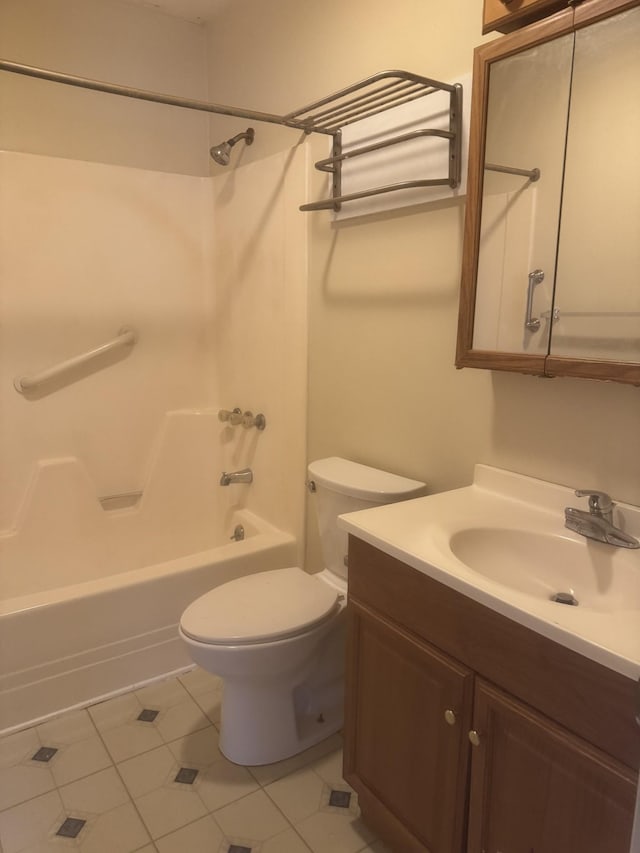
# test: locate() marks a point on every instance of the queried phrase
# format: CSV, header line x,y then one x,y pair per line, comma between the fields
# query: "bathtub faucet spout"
x,y
245,475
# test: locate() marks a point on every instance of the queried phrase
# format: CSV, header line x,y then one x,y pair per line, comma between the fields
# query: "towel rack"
x,y
369,97
126,337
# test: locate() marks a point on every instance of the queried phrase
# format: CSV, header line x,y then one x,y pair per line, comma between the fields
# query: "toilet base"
x,y
262,726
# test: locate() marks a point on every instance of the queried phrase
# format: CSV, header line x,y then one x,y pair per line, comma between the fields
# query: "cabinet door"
x,y
508,15
406,748
535,788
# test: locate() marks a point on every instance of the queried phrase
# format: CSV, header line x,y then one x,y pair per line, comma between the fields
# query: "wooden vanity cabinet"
x,y
556,754
508,15
535,786
407,760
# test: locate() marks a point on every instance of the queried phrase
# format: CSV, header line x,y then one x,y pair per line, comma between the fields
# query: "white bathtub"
x,y
69,646
92,594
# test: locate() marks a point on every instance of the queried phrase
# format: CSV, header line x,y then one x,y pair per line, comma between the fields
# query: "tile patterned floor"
x,y
143,772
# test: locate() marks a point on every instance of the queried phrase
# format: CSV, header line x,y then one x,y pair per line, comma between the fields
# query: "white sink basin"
x,y
554,568
503,543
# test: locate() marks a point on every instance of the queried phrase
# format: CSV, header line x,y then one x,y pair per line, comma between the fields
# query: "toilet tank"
x,y
340,486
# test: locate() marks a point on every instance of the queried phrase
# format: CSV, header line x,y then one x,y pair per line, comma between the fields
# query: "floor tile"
x,y
254,818
129,727
31,823
162,784
23,782
145,773
206,689
95,794
123,734
286,842
119,830
329,767
165,810
202,836
164,804
328,832
112,823
223,782
377,847
267,773
298,795
200,748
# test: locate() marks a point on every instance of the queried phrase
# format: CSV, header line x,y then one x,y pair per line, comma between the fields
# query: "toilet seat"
x,y
260,608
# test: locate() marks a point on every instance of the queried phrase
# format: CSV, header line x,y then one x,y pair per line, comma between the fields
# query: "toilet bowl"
x,y
277,638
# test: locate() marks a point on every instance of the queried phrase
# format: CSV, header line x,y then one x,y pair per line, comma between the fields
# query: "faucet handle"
x,y
600,503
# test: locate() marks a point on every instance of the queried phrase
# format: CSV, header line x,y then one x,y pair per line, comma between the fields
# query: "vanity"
x,y
483,714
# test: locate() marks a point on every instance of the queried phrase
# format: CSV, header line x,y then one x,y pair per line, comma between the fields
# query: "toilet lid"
x,y
260,607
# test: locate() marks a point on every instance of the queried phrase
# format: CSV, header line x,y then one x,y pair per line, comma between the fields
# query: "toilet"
x,y
277,638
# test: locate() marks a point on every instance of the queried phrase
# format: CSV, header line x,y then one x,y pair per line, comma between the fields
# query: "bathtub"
x,y
93,590
72,645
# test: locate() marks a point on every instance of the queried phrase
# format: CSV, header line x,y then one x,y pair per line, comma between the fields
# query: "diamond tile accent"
x,y
147,715
71,827
45,753
238,848
186,775
340,798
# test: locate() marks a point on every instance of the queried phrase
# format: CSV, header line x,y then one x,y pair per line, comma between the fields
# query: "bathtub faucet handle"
x,y
233,417
250,420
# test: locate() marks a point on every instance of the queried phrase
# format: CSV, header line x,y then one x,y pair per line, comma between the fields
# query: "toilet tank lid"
x,y
361,481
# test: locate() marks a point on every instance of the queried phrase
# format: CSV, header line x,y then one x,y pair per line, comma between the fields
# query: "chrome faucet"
x,y
245,475
598,522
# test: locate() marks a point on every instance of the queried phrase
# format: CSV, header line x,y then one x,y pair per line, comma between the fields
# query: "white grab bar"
x,y
126,337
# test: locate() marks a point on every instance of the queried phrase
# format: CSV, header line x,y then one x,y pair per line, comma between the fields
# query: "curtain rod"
x,y
143,94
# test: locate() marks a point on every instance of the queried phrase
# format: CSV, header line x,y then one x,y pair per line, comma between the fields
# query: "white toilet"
x,y
277,639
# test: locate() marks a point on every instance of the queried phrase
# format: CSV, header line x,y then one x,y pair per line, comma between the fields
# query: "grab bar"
x,y
126,337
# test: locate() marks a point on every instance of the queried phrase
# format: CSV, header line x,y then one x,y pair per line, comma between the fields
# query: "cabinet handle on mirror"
x,y
532,323
474,737
450,717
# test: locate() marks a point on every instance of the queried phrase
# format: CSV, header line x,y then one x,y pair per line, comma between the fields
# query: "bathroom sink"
x,y
502,542
551,567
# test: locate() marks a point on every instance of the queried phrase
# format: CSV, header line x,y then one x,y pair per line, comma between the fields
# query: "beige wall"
x,y
112,41
383,291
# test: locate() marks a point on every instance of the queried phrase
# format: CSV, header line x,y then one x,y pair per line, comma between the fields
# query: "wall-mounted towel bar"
x,y
369,97
532,174
23,384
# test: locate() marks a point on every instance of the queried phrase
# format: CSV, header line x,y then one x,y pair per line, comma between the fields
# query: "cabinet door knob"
x,y
474,737
450,717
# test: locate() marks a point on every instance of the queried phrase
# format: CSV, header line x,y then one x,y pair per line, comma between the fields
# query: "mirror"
x,y
551,262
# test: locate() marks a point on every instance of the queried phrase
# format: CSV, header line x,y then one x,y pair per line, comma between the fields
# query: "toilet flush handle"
x,y
311,486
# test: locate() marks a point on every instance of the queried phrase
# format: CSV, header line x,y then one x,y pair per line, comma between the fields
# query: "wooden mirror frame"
x,y
565,22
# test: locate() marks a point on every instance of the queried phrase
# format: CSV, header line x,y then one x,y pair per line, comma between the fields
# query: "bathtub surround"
x,y
187,261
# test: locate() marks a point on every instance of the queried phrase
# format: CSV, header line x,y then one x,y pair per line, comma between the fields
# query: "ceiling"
x,y
198,11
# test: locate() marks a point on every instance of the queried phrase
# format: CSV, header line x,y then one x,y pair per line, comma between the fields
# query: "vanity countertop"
x,y
502,542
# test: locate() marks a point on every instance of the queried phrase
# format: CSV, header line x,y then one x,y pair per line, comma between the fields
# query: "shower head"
x,y
222,153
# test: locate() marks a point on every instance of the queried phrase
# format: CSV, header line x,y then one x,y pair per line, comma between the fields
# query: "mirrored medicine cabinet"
x,y
551,258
